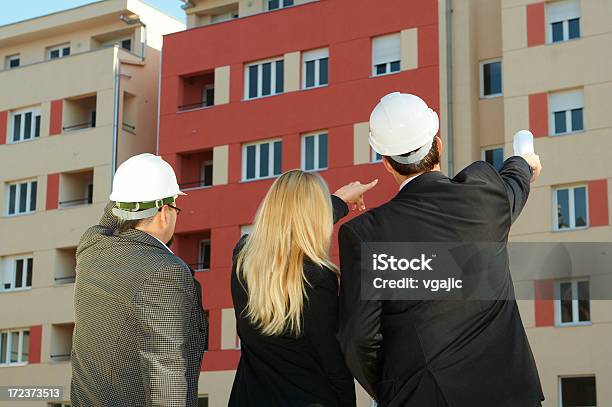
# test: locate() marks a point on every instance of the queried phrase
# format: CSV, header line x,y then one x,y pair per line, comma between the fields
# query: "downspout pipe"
x,y
449,88
117,73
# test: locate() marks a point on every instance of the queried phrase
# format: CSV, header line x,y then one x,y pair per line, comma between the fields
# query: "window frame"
x,y
9,345
316,158
572,208
281,5
562,11
374,156
200,254
481,78
575,313
315,55
9,58
560,384
60,48
259,64
569,100
203,165
375,63
9,265
18,196
205,101
257,160
35,111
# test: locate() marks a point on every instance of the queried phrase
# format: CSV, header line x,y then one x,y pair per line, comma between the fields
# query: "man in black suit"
x,y
436,353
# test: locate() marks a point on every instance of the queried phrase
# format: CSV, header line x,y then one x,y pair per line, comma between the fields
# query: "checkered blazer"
x,y
140,331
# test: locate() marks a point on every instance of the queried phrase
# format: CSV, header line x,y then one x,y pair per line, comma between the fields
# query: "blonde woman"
x,y
285,293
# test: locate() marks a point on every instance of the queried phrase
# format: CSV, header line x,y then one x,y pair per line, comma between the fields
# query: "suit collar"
x,y
420,181
144,238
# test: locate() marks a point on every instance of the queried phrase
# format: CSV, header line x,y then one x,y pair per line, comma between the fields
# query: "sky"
x,y
12,11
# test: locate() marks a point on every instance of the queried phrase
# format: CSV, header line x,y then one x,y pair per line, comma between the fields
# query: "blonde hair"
x,y
294,222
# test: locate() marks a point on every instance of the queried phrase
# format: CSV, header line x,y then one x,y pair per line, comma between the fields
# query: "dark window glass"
x,y
25,349
584,301
264,160
207,175
278,157
203,401
266,79
273,4
580,206
3,346
37,126
14,63
204,255
310,74
126,44
27,126
563,218
12,199
23,196
578,391
557,31
54,54
395,66
495,157
574,28
33,189
560,124
29,272
492,78
381,69
323,151
280,76
323,71
565,291
210,96
14,347
66,51
287,3
93,118
89,194
19,273
16,127
577,122
309,153
250,162
253,81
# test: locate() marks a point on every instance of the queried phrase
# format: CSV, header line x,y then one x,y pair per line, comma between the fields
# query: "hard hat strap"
x,y
413,158
140,206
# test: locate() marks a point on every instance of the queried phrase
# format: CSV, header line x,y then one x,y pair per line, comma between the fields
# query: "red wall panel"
x,y
35,343
538,114
3,126
544,304
598,203
52,191
55,126
536,25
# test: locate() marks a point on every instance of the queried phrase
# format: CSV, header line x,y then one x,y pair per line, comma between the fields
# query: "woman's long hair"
x,y
294,222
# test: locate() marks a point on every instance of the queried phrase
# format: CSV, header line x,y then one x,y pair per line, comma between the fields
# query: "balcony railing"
x,y
80,126
197,105
65,279
60,357
194,184
75,202
129,127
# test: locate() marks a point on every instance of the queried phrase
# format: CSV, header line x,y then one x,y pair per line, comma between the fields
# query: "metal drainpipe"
x,y
115,114
449,87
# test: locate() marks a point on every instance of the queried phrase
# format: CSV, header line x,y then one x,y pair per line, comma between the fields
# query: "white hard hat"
x,y
141,185
401,123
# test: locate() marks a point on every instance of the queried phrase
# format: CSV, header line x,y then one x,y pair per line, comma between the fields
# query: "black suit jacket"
x,y
440,353
282,370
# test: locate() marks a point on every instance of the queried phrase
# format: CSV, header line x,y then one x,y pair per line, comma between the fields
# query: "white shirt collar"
x,y
163,244
408,180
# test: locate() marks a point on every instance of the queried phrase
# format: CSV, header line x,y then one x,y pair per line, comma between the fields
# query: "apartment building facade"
x,y
78,95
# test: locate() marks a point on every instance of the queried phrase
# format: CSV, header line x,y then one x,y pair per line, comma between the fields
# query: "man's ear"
x,y
388,166
164,215
439,143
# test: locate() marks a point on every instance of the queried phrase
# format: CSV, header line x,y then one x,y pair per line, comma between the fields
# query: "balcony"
x,y
197,91
76,188
129,113
196,170
61,342
194,248
79,113
65,266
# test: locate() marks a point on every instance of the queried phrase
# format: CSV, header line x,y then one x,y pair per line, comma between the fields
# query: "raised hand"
x,y
352,194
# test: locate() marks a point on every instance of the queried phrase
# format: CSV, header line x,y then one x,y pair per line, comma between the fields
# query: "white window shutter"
x,y
386,49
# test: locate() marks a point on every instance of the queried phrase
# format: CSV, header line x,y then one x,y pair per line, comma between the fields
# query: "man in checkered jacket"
x,y
140,331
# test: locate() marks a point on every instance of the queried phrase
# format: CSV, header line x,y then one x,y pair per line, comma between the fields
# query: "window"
x,y
204,255
573,303
17,273
21,197
563,20
490,79
374,156
230,15
315,68
24,125
206,173
571,204
59,51
202,401
276,4
314,152
578,391
208,95
261,160
566,112
386,54
494,156
12,61
14,347
126,44
264,78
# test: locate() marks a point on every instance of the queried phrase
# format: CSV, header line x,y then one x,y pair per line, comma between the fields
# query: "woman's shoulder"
x,y
318,275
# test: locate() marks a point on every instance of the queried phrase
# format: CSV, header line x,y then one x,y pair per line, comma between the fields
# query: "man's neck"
x,y
401,179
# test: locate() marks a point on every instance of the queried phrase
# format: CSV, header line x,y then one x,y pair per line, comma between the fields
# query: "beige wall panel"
x,y
597,103
220,164
488,17
361,145
527,310
409,49
514,28
250,7
536,215
222,85
595,17
61,296
292,71
102,185
598,234
516,116
228,329
491,121
584,61
515,3
43,374
44,261
41,193
217,385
